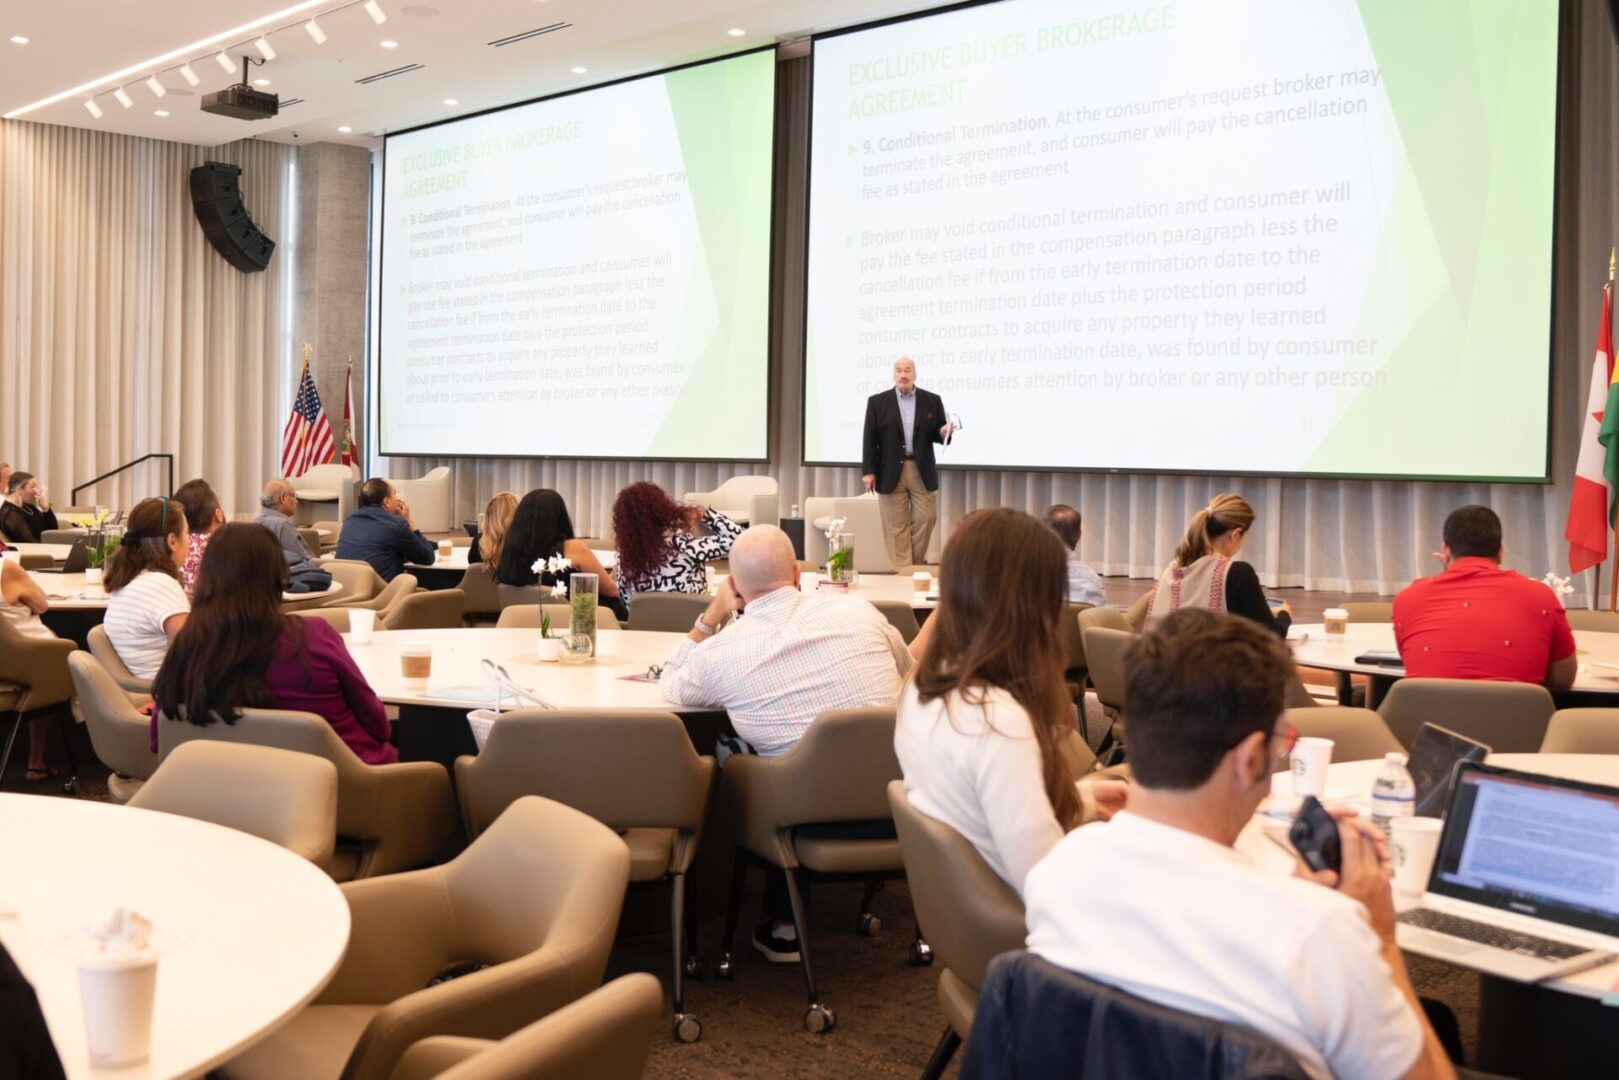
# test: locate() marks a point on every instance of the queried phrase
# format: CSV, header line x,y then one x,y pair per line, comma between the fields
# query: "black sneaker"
x,y
777,946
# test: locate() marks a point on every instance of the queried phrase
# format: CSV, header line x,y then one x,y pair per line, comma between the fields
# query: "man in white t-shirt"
x,y
1160,904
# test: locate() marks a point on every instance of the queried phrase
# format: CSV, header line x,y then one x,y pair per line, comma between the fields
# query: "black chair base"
x,y
946,1049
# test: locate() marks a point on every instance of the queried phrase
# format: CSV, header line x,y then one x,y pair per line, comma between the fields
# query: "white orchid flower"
x,y
559,591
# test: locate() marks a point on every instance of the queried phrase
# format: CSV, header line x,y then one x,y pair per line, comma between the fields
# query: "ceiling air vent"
x,y
526,34
379,76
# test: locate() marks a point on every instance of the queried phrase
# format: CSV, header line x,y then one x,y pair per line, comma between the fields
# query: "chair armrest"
x,y
431,1057
399,938
406,810
40,664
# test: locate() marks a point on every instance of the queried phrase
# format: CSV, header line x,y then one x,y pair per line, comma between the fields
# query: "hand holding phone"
x,y
1314,835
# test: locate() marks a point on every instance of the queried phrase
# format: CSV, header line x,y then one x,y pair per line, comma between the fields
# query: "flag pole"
x,y
1613,579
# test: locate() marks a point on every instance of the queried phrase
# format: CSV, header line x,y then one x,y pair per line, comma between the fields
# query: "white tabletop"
x,y
458,680
58,552
457,559
260,930
1595,650
68,592
1350,783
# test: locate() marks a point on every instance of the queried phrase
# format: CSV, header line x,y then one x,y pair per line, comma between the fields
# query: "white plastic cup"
x,y
118,992
1311,756
445,549
1413,843
416,663
550,650
1335,622
809,582
362,621
921,581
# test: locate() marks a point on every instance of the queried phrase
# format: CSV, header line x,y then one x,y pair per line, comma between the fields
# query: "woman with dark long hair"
x,y
203,516
982,724
238,650
146,606
658,551
542,530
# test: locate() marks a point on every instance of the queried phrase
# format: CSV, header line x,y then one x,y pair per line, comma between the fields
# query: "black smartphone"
x,y
1314,835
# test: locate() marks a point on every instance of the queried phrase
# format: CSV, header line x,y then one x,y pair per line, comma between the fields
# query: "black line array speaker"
x,y
216,196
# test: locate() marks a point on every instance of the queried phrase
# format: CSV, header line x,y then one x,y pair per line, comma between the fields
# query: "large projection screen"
x,y
583,276
1256,236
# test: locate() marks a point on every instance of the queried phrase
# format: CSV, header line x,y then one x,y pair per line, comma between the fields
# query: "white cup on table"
x,y
1413,843
1310,759
118,990
362,621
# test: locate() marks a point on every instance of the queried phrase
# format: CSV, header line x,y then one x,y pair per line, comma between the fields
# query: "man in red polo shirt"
x,y
1478,621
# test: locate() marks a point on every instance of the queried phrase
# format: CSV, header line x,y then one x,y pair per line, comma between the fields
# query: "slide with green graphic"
x,y
1270,236
583,276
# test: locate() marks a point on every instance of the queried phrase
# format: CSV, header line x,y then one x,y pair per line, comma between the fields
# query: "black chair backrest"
x,y
1036,1020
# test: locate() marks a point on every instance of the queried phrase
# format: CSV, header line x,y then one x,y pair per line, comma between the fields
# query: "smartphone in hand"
x,y
1314,835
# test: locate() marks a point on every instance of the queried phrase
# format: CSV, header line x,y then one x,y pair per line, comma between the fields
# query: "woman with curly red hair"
x,y
657,549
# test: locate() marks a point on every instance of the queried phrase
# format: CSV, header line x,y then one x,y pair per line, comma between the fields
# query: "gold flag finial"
x,y
307,348
1612,264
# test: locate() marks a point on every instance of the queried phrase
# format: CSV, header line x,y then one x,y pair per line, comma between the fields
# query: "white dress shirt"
x,y
1084,584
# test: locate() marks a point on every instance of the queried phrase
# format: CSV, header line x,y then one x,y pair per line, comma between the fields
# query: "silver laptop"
x,y
1526,881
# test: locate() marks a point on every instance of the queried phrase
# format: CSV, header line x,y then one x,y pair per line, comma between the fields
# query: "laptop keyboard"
x,y
1485,934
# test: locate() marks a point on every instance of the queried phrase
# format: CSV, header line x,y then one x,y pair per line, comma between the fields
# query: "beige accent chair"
x,y
605,1035
33,675
284,797
101,647
1603,622
324,491
1135,616
533,902
635,772
1509,718
1104,655
1582,731
36,560
328,543
335,617
389,817
900,616
387,595
748,500
1073,642
62,536
527,617
1369,611
839,771
1356,734
361,583
311,538
439,609
862,516
969,913
429,499
118,731
483,595
668,611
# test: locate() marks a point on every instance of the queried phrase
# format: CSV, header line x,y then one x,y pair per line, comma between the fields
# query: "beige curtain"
x,y
121,331
1322,534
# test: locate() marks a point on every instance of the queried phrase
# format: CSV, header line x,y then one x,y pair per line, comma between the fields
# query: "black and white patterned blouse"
x,y
689,554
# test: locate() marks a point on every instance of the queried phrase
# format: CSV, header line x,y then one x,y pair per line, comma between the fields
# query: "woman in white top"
x,y
145,604
982,723
22,602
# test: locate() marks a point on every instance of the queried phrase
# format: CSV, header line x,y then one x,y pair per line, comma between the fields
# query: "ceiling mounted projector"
x,y
243,102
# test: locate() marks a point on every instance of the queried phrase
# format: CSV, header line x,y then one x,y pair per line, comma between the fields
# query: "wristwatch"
x,y
703,628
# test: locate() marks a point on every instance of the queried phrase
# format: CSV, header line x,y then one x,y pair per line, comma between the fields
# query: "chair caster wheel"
x,y
726,968
696,968
819,1020
921,953
688,1029
71,787
869,925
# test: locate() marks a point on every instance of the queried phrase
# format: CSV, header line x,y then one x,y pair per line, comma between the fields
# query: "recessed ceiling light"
x,y
188,75
389,44
736,31
578,70
345,129
18,39
374,9
95,110
451,101
261,82
123,98
161,112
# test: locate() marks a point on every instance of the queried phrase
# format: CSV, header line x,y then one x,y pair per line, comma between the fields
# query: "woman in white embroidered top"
x,y
145,604
1205,572
982,722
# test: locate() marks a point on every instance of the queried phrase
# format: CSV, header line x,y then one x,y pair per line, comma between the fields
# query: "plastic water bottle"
x,y
1394,794
794,512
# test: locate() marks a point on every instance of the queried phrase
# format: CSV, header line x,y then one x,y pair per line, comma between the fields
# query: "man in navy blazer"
x,y
897,462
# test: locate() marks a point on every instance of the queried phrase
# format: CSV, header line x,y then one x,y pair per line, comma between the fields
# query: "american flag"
x,y
306,441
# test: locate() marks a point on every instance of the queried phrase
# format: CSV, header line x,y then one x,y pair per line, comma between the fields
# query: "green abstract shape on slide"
x,y
1481,295
724,114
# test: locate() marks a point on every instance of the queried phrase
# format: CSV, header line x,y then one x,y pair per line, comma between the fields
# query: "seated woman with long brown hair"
x,y
237,650
982,723
146,605
658,551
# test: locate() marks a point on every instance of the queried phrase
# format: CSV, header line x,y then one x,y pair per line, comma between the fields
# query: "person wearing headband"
x,y
1205,572
146,606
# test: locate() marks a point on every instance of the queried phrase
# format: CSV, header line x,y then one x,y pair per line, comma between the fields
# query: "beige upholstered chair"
x,y
335,617
862,518
119,732
389,817
1104,657
1136,615
665,610
1356,734
36,560
900,616
1509,718
281,796
37,673
382,602
1073,640
62,536
605,1035
635,772
1604,622
311,537
521,595
750,500
138,689
1369,611
1582,731
968,912
360,581
483,597
328,543
532,904
429,499
838,772
437,610
324,491
527,616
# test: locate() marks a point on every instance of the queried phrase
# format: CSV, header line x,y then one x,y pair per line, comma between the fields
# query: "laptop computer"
x,y
1526,881
77,561
1432,763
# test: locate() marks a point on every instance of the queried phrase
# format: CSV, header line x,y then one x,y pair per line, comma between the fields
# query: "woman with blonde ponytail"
x,y
1205,572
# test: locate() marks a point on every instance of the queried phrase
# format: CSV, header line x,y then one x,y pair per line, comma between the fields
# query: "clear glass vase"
x,y
584,593
840,559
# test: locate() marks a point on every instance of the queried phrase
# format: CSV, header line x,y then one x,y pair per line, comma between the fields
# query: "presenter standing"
x,y
897,462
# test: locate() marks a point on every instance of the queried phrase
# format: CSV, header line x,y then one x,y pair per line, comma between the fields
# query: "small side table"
x,y
794,528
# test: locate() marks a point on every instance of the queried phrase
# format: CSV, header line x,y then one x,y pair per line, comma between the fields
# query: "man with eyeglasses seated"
x,y
1158,902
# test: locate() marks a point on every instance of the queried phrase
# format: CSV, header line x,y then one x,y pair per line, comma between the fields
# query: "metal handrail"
x,y
168,458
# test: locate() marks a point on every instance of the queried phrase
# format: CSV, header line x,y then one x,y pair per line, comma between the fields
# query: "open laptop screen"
x,y
1531,844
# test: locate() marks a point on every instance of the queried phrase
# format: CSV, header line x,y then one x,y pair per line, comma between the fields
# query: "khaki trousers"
x,y
908,512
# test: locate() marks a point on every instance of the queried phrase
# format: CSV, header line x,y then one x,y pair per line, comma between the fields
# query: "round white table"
x,y
260,930
457,560
68,592
1598,654
59,552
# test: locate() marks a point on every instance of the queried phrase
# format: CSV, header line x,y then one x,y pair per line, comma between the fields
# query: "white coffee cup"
x,y
118,991
1311,756
1335,622
416,663
808,582
550,650
1413,843
921,581
361,622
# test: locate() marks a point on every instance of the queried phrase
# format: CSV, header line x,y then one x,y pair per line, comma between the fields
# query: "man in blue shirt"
x,y
896,461
382,533
1084,584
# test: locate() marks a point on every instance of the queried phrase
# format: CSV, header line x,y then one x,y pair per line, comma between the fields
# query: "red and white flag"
x,y
1588,521
347,452
306,441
